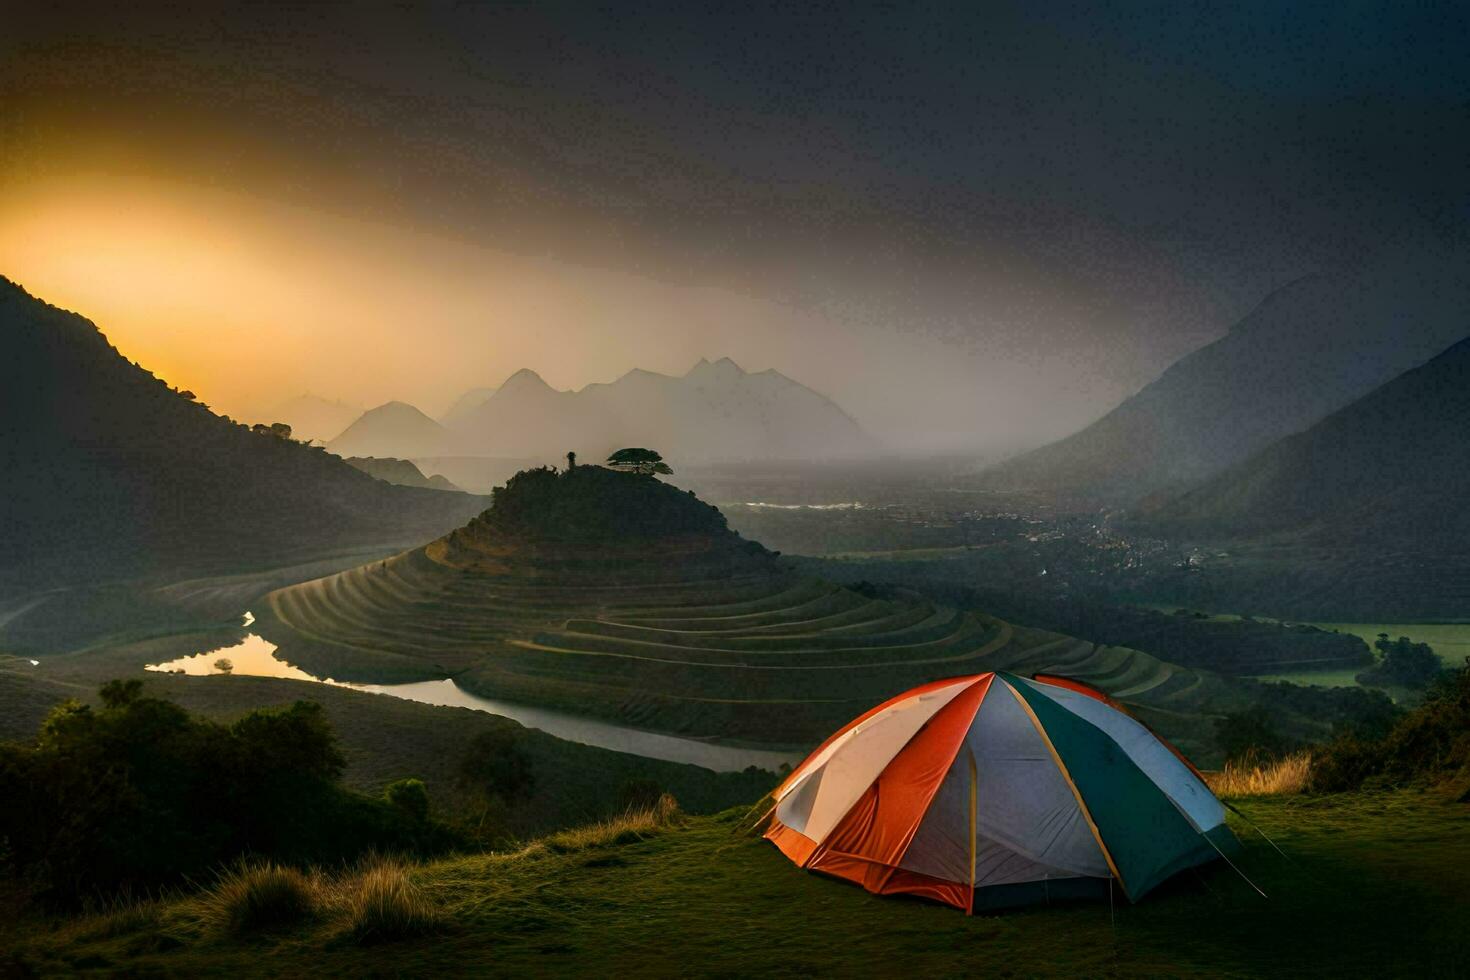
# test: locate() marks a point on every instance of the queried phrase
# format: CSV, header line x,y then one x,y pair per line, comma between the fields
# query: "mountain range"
x,y
1310,348
1362,514
716,411
106,471
1389,469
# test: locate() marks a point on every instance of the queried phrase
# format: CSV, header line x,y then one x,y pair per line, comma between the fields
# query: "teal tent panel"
x,y
1144,832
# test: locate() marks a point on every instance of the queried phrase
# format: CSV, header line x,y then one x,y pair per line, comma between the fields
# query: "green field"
x,y
1451,641
1372,886
1347,677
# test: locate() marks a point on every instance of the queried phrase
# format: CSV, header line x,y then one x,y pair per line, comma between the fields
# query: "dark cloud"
x,y
1088,192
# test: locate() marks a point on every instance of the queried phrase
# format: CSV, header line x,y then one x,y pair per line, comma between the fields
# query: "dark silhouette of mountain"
x,y
1392,469
399,471
313,419
1309,349
396,430
1363,514
716,411
106,471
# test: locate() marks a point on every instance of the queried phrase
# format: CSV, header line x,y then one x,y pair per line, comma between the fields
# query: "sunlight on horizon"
x,y
249,302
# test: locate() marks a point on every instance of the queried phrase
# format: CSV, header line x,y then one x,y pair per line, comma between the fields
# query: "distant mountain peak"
x,y
394,408
717,410
723,368
393,429
522,378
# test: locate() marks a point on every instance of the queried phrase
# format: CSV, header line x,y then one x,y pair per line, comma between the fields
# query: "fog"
x,y
974,231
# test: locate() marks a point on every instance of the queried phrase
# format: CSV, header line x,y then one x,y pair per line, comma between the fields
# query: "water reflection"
x,y
255,656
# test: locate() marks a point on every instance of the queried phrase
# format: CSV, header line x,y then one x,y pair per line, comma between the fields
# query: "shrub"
x,y
139,794
1404,663
384,904
409,796
1429,745
251,898
496,765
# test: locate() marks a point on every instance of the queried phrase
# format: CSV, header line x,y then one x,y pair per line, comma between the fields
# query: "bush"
x,y
496,765
1429,745
139,794
251,898
410,797
1404,663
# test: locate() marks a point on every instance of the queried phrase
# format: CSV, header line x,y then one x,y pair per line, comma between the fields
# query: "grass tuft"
x,y
253,898
1285,776
634,825
123,917
383,904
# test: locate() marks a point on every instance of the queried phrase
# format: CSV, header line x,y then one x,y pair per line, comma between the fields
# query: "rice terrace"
x,y
733,490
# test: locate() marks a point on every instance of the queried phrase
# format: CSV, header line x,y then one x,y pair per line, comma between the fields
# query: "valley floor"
x,y
1373,886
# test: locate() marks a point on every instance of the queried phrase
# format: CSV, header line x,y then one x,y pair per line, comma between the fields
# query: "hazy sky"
x,y
972,225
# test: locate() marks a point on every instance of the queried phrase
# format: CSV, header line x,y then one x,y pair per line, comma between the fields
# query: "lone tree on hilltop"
x,y
637,460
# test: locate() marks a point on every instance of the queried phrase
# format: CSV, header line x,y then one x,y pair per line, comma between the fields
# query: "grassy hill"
x,y
1371,886
107,472
618,596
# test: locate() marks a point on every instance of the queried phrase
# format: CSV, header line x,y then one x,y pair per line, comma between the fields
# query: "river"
x,y
255,656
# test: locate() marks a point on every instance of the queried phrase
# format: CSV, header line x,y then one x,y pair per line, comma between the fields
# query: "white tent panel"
x,y
1177,781
1028,821
832,782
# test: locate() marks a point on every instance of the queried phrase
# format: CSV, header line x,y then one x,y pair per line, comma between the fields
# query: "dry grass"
x,y
382,903
1285,776
255,897
626,828
122,917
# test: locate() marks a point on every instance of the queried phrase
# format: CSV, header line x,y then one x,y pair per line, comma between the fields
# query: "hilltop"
x,y
1309,349
107,471
621,597
1375,492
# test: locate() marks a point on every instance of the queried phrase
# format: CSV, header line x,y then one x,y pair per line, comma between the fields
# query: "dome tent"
x,y
993,790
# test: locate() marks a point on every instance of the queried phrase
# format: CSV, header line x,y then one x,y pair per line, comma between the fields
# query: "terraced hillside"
x,y
618,596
